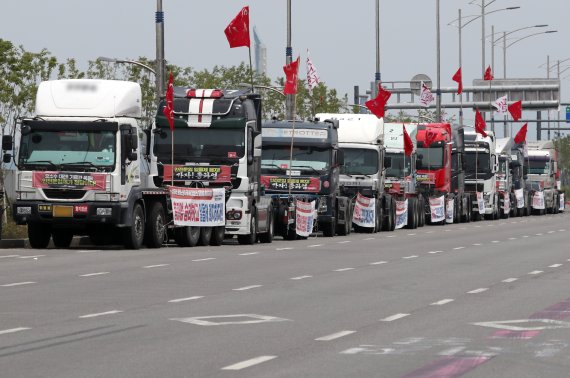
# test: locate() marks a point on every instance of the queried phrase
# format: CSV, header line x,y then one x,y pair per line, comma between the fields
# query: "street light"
x,y
273,89
125,61
506,46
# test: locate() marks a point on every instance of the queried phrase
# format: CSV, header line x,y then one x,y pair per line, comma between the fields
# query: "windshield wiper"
x,y
80,163
307,166
362,174
273,165
47,162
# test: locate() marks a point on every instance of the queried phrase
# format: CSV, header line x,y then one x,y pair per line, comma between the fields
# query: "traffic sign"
x,y
568,114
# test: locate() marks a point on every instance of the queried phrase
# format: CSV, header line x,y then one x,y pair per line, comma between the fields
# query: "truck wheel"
x,y
61,238
267,237
218,234
412,214
252,237
39,235
133,235
187,236
329,229
155,230
290,234
421,215
205,236
387,225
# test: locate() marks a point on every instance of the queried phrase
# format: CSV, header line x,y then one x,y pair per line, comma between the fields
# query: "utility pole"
x,y
438,91
288,59
482,38
377,77
160,69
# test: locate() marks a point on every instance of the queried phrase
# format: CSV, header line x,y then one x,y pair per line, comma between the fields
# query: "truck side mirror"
x,y
340,157
7,158
387,162
250,147
7,142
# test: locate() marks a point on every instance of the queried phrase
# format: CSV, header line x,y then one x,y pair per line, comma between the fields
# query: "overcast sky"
x,y
339,34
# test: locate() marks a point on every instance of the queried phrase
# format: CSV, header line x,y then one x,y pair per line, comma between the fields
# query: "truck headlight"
x,y
24,210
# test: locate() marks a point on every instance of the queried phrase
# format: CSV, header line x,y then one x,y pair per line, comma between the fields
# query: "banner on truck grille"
x,y
364,214
538,201
401,214
298,184
198,207
68,180
437,209
561,201
449,211
519,194
213,173
481,203
506,203
304,217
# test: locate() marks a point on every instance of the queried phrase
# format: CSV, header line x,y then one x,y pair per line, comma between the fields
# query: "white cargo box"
x,y
357,128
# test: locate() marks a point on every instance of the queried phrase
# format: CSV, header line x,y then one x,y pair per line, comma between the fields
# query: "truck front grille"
x,y
64,193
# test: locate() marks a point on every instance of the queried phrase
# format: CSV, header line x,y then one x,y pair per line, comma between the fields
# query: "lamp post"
x,y
438,91
126,61
506,46
289,105
377,76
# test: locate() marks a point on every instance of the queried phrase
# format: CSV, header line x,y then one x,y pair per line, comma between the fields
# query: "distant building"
x,y
260,54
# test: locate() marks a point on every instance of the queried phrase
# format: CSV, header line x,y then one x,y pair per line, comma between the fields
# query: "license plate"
x,y
63,211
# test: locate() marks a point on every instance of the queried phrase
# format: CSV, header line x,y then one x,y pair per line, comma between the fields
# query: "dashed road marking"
x,y
112,312
551,232
508,280
93,274
369,239
476,244
391,236
458,248
249,363
495,241
185,299
435,252
534,272
300,277
477,291
7,256
451,351
247,287
315,245
18,284
30,257
525,236
394,317
411,234
343,242
555,265
155,266
205,259
539,234
13,330
410,257
342,269
248,253
512,238
334,336
442,302
283,249
378,262
562,230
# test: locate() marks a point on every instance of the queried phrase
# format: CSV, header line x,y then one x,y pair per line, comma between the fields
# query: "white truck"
x,y
361,137
543,175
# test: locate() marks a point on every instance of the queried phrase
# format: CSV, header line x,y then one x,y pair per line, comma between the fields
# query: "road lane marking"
x,y
283,249
112,312
411,234
551,232
561,230
300,277
6,256
512,238
495,241
391,236
30,257
184,299
536,272
555,265
155,266
343,242
451,351
394,317
369,239
476,244
334,336
248,253
410,257
18,284
247,287
249,363
430,232
525,236
477,291
458,248
12,330
93,274
538,234
508,280
206,259
442,302
314,245
378,263
434,252
342,269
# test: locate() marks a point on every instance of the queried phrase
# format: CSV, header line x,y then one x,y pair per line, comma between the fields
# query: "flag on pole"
x,y
168,109
312,74
516,110
426,97
237,32
480,125
488,74
429,139
521,135
457,78
376,106
408,144
292,75
501,104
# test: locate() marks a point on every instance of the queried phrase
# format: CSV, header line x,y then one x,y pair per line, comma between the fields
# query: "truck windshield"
x,y
483,162
359,161
82,150
400,165
200,144
430,158
539,167
305,158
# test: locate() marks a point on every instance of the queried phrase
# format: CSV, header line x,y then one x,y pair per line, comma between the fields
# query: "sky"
x,y
339,34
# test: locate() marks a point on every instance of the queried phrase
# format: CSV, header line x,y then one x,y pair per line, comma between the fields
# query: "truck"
x,y
301,161
519,174
504,183
543,174
482,164
361,138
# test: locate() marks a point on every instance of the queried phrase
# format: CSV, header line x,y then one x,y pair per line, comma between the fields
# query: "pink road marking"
x,y
517,335
448,367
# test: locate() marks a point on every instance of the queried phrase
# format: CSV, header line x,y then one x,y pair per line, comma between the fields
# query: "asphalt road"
x,y
486,299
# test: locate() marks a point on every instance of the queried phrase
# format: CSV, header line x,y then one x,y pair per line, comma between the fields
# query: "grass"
x,y
10,230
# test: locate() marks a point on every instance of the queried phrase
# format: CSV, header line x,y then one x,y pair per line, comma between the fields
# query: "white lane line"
x,y
489,225
477,291
18,284
394,317
154,266
477,244
249,253
434,252
495,241
410,257
184,299
343,242
247,287
447,230
555,265
512,238
551,232
89,251
12,330
6,256
430,232
112,312
30,257
442,302
561,230
206,259
525,236
510,280
411,234
334,336
391,236
477,226
93,274
538,234
314,245
458,248
378,263
342,269
283,249
369,239
300,277
249,363
536,272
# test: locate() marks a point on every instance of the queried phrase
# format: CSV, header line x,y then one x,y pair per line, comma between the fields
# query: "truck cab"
x,y
543,173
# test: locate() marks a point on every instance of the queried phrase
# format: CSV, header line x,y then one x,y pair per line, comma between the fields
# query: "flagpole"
x,y
491,115
292,141
251,70
172,156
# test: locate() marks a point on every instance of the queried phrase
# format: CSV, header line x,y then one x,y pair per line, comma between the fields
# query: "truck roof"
x,y
357,128
307,133
394,135
88,98
541,145
442,132
504,146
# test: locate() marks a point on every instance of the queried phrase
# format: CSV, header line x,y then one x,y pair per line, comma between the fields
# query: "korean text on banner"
x,y
401,214
507,204
437,209
481,203
449,211
538,201
69,180
519,194
304,217
561,201
198,207
364,214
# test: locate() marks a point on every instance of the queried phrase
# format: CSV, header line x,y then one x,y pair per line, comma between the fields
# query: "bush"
x,y
10,230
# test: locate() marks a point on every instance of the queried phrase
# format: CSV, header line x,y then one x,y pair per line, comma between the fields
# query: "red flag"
x,y
169,107
292,73
429,139
480,125
237,31
408,144
457,78
521,135
376,106
516,110
488,74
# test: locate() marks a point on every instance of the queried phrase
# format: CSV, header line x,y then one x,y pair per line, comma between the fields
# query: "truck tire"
x,y
187,236
39,235
421,215
290,234
133,236
267,237
155,230
346,228
252,237
379,216
412,214
329,229
218,234
61,238
205,236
